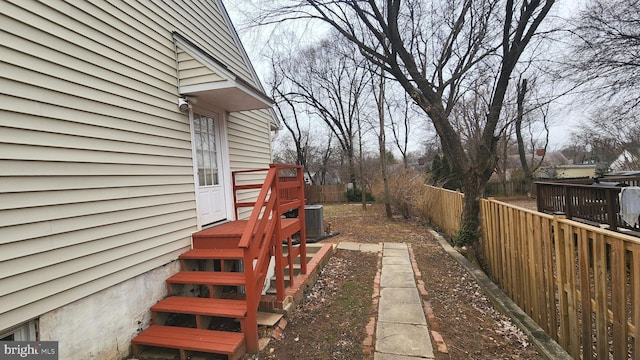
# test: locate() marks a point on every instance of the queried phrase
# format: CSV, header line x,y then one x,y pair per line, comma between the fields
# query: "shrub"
x,y
355,195
465,236
424,208
406,191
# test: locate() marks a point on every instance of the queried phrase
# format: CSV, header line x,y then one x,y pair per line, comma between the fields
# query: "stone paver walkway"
x,y
401,331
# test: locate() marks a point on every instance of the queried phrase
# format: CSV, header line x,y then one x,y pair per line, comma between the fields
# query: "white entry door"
x,y
212,204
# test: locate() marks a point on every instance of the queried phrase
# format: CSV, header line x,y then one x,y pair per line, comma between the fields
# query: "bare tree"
x,y
606,52
577,151
378,86
332,83
610,137
529,166
605,59
286,109
432,49
327,158
402,122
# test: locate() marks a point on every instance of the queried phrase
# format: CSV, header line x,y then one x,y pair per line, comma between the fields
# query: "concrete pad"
x,y
389,245
383,356
314,246
396,252
403,339
391,260
347,245
401,313
373,248
396,278
401,295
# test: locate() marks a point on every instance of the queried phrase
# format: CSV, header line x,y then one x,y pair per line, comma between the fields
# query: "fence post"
x,y
539,200
612,209
568,202
563,305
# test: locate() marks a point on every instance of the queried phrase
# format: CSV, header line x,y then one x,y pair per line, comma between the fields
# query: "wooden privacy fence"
x,y
444,208
580,283
509,188
323,194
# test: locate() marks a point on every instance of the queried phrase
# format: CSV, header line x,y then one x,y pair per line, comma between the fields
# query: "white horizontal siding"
x,y
95,159
80,211
249,140
96,174
71,264
104,96
61,168
40,25
40,239
16,184
210,26
53,198
84,124
249,148
192,72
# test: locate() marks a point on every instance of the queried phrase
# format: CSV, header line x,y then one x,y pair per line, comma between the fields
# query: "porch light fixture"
x,y
183,104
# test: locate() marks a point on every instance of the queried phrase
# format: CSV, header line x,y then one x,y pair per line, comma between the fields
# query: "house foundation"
x,y
102,325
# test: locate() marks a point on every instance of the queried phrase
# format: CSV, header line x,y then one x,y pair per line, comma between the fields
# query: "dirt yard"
x,y
330,322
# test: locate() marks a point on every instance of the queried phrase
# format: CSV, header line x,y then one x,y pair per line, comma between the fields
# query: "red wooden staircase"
x,y
234,255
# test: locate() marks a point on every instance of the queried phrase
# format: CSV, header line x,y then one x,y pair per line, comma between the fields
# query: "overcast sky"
x,y
255,41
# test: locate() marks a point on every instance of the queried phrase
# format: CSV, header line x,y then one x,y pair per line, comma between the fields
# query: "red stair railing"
x,y
256,241
263,235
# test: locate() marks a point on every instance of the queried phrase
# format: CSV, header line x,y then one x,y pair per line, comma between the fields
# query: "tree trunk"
x,y
363,196
352,167
470,227
522,91
383,148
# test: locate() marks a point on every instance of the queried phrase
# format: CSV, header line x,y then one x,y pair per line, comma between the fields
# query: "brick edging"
x,y
369,340
433,324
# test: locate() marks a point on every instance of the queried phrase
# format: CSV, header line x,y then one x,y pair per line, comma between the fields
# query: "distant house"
x,y
330,178
103,176
513,166
626,161
567,171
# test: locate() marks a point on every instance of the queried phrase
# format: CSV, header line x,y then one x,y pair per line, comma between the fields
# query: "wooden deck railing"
x,y
594,204
580,283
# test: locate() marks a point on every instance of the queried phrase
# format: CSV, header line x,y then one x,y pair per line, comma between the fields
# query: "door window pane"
x,y
204,129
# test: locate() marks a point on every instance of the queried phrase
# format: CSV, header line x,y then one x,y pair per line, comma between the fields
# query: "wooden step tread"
x,y
212,341
208,254
228,229
236,228
208,278
202,306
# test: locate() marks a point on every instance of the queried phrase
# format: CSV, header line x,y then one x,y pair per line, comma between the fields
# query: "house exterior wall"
x,y
114,333
96,173
569,172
